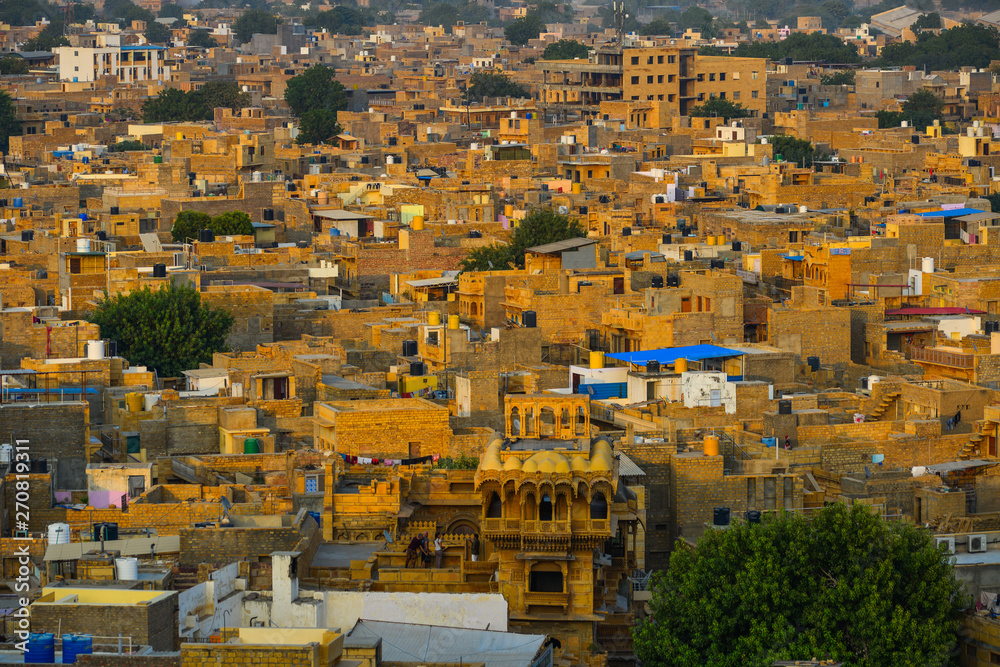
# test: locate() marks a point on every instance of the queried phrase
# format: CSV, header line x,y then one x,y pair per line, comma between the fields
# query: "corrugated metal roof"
x,y
559,246
627,467
138,546
950,213
979,217
959,465
425,644
669,355
944,310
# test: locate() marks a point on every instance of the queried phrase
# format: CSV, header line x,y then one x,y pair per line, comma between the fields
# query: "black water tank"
x,y
784,407
584,210
27,235
667,239
417,368
114,210
688,255
528,319
102,235
720,516
813,363
159,270
656,281
673,280
864,382
717,264
652,366
737,246
753,516
626,231
206,235
475,234
409,348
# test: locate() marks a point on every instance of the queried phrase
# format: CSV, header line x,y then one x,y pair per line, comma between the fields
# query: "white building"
x,y
135,62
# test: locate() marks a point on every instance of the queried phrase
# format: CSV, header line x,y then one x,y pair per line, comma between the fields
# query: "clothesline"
x,y
365,461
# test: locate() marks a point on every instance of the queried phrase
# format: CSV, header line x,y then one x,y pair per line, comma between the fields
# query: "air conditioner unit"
x,y
977,544
948,541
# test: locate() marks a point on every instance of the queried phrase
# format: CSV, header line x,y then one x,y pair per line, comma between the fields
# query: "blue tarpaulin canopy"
x,y
950,213
794,258
669,355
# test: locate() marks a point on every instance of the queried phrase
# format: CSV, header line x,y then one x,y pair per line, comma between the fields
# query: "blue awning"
x,y
669,355
950,213
794,258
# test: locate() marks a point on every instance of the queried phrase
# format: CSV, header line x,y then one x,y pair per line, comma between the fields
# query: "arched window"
x,y
545,508
546,578
495,509
598,506
515,422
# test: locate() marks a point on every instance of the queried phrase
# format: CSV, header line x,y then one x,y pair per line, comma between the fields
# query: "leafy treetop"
x,y
485,83
968,44
526,28
539,227
254,21
721,108
565,49
844,585
170,329
187,224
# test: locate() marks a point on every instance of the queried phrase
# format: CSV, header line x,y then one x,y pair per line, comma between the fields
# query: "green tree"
x,y
844,77
800,46
699,20
124,12
13,65
317,126
888,119
843,585
526,28
170,329
743,28
539,227
658,26
157,33
84,12
443,14
461,462
565,49
316,88
171,10
254,21
187,224
201,38
232,223
224,94
922,108
930,21
129,145
9,124
26,12
486,83
797,151
720,108
968,44
49,38
994,200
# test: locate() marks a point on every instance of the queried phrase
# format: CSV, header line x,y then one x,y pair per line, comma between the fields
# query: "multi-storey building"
x,y
106,56
673,74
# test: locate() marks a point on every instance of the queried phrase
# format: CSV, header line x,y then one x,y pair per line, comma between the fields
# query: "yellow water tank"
x,y
434,318
577,188
711,445
597,360
451,296
180,136
710,240
721,240
453,322
417,223
133,401
680,365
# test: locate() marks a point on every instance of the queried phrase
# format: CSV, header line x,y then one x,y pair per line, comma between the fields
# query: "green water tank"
x,y
251,446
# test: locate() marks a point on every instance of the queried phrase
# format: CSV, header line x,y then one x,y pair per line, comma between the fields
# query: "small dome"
x,y
491,457
512,463
547,465
562,466
601,457
531,465
578,464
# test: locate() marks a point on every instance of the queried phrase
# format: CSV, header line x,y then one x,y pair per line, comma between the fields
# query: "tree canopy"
x,y
315,96
201,38
176,105
170,329
718,107
800,46
343,20
125,11
565,49
658,26
171,10
447,14
317,126
13,65
968,44
9,124
187,224
157,33
526,28
843,585
539,227
844,77
49,38
129,145
254,21
798,151
930,21
922,108
486,83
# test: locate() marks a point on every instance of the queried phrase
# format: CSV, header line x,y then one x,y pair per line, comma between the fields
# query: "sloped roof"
x,y
559,246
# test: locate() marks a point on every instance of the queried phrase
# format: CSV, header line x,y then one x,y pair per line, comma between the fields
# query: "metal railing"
x,y
942,357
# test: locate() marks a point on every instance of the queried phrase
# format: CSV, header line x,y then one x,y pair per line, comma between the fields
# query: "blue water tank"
x,y
74,645
86,160
334,231
18,202
41,648
83,216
